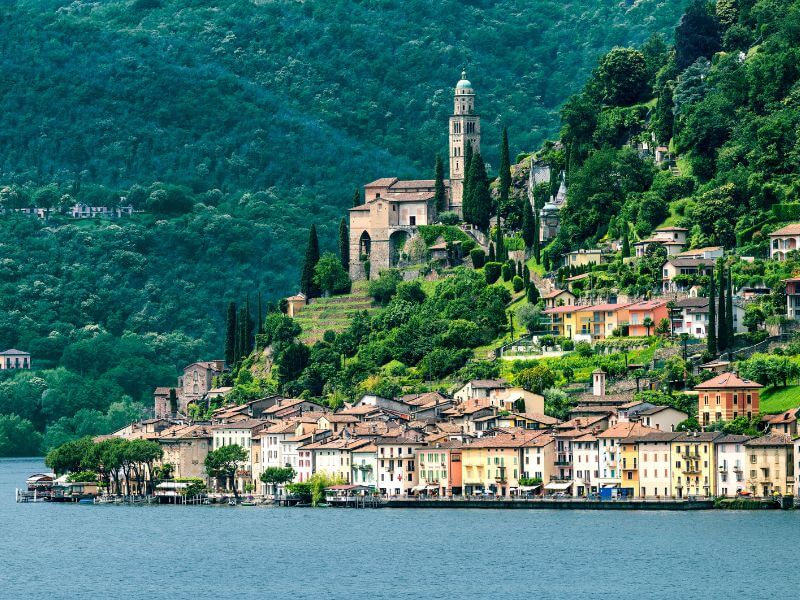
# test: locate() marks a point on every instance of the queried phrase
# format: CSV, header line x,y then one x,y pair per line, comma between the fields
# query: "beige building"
x,y
394,208
655,466
185,448
770,465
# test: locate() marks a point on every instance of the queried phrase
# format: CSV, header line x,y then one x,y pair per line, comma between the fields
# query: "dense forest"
x,y
232,128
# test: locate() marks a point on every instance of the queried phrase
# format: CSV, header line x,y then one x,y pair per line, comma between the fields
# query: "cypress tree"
x,y
729,310
500,248
260,328
546,261
241,338
626,242
492,256
526,276
722,321
711,331
344,244
307,285
230,334
537,246
505,168
248,327
533,293
467,192
439,198
357,198
480,199
528,224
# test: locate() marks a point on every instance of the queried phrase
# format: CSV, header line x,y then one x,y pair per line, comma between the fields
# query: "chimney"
x,y
599,383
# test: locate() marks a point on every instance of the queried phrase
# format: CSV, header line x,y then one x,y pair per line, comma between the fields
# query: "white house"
x,y
396,474
663,418
241,433
480,388
784,240
585,460
655,467
731,463
364,465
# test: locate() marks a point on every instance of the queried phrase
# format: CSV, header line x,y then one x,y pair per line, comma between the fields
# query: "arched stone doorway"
x,y
364,246
397,243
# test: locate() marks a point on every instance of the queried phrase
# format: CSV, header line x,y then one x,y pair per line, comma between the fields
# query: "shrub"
x,y
584,349
507,272
491,271
517,283
566,344
449,218
478,257
383,288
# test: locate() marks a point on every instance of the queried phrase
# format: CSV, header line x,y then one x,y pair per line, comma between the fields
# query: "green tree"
x,y
329,276
622,76
307,285
536,379
711,330
466,198
505,170
230,334
492,255
439,198
276,476
722,320
480,199
224,462
344,244
731,333
528,224
696,35
626,244
357,198
533,293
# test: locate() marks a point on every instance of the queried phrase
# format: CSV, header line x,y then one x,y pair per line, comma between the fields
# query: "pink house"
x,y
654,309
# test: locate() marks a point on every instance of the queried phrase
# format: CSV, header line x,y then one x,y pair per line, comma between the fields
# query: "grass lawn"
x,y
777,399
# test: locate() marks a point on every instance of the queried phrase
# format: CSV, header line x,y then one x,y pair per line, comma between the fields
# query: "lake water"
x,y
106,551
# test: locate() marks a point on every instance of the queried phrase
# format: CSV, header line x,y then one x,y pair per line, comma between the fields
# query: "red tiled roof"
x,y
728,381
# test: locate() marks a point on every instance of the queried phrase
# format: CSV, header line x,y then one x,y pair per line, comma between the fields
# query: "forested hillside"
x,y
233,126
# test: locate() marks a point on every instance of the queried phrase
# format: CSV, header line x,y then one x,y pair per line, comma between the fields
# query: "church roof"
x,y
464,83
409,196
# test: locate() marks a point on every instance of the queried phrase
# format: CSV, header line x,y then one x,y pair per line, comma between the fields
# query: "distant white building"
x,y
14,359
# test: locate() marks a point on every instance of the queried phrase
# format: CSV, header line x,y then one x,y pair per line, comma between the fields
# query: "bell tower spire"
x,y
465,128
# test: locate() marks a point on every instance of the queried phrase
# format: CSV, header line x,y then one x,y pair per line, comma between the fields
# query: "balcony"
x,y
692,470
562,462
612,464
690,456
737,469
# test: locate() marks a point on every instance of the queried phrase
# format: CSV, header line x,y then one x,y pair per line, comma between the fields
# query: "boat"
x,y
86,501
248,503
232,502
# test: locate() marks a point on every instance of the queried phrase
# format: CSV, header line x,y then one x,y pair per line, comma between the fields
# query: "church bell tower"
x,y
465,128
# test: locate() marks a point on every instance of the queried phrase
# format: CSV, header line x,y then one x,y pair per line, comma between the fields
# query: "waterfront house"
x,y
770,465
731,459
14,359
396,459
364,465
610,461
585,460
555,298
185,448
694,464
655,464
655,310
271,440
725,397
538,462
492,464
439,469
784,240
333,456
241,433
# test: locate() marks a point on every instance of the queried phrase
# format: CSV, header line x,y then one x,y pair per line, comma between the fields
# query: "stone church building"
x,y
393,208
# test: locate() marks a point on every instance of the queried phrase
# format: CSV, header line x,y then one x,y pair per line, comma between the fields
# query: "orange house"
x,y
639,312
726,397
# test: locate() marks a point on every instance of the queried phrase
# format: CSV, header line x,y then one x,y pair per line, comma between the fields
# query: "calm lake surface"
x,y
104,551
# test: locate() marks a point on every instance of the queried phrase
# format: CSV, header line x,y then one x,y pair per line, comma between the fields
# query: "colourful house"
x,y
493,465
725,397
694,464
655,310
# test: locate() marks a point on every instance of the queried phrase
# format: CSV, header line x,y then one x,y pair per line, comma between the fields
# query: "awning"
x,y
609,485
417,488
432,486
528,488
556,485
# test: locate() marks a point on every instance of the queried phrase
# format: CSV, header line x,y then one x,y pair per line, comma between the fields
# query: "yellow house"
x,y
492,464
629,465
769,465
693,464
562,320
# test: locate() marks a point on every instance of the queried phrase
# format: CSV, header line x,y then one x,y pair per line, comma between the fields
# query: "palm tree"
x,y
648,324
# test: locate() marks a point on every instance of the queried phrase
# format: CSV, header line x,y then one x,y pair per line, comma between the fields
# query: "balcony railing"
x,y
562,462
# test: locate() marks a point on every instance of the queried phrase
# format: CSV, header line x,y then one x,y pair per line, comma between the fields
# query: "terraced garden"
x,y
333,313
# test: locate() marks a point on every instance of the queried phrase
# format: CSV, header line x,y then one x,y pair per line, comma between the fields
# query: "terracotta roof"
x,y
732,439
647,305
605,307
408,196
582,422
336,444
626,430
654,410
577,277
655,436
382,182
360,207
692,303
340,418
184,432
539,417
554,293
588,398
787,416
489,383
728,381
792,229
413,183
246,424
598,409
507,440
698,436
772,439
671,229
